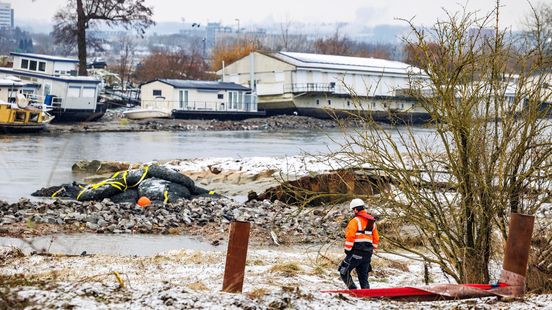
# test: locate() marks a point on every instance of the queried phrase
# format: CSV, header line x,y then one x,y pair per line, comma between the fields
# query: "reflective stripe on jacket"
x,y
361,233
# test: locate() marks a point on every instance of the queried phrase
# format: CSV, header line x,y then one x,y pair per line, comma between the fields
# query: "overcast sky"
x,y
367,12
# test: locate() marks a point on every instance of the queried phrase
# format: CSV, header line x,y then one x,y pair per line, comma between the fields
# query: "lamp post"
x,y
238,20
204,40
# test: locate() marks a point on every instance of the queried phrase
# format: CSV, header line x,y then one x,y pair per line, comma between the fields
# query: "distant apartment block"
x,y
6,15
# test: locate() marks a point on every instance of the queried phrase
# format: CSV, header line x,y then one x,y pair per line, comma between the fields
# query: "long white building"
x,y
321,85
6,16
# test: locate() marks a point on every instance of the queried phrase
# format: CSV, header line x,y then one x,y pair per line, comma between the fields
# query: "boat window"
x,y
157,92
42,66
24,63
89,92
32,65
33,118
73,92
220,96
20,116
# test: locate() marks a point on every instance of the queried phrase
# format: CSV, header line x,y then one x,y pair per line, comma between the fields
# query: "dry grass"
x,y
318,271
290,269
198,286
255,262
257,293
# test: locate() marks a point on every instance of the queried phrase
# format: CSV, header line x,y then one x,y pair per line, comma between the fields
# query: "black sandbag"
x,y
153,188
98,194
196,191
169,174
133,176
61,191
130,195
177,191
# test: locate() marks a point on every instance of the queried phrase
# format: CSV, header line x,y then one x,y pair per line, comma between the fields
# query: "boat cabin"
x,y
70,97
169,94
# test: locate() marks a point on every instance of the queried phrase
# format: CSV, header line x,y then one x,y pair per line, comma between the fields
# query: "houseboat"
x,y
324,86
187,99
17,113
70,98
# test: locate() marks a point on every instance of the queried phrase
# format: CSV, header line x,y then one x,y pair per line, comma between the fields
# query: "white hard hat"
x,y
357,202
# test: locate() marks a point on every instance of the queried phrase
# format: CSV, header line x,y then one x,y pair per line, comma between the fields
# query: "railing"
x,y
249,105
331,88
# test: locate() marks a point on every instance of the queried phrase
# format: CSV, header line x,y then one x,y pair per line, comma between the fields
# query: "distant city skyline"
x,y
248,12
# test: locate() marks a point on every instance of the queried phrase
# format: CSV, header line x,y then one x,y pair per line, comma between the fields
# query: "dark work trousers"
x,y
359,261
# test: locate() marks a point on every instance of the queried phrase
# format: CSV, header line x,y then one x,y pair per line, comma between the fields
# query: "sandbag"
x,y
99,193
170,175
130,195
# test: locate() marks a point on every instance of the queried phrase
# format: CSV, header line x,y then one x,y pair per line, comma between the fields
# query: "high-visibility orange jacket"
x,y
361,233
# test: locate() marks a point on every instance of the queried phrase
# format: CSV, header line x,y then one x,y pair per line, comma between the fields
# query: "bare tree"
x,y
126,60
173,65
489,153
72,22
334,45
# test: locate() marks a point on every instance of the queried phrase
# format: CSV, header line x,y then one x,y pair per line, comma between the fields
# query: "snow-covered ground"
x,y
276,278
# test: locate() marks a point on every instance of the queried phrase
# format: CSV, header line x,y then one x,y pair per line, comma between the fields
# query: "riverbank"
x,y
113,122
206,218
275,278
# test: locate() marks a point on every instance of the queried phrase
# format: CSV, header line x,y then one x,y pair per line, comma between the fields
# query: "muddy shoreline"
x,y
113,122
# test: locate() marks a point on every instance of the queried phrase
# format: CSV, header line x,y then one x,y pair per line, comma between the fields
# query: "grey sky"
x,y
364,12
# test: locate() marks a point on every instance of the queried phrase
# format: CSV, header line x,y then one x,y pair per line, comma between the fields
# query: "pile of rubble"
x,y
278,221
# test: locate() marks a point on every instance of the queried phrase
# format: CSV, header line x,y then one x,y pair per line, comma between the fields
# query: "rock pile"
x,y
109,217
271,123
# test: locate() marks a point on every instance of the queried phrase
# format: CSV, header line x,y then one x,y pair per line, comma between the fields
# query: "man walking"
x,y
361,238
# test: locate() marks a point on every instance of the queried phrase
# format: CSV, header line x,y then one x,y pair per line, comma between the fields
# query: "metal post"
x,y
516,253
234,270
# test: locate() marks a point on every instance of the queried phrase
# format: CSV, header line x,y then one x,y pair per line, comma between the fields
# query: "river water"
x,y
29,162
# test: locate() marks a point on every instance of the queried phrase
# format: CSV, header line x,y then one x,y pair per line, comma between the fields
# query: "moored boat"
x,y
147,113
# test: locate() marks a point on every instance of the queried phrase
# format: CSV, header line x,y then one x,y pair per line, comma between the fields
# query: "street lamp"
x,y
204,40
238,20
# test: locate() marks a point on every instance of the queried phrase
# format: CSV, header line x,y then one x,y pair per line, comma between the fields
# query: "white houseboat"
x,y
325,85
200,99
69,97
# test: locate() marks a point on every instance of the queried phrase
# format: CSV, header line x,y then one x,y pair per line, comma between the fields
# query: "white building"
x,y
196,95
314,84
72,98
6,16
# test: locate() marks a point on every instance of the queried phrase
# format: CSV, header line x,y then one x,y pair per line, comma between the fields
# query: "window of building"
x,y
89,92
220,96
329,102
157,93
24,63
348,103
317,101
32,65
73,92
42,66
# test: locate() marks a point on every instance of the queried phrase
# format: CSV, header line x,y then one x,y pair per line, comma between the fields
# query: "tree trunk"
x,y
81,37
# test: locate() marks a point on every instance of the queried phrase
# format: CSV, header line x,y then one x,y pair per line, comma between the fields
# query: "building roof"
x,y
344,63
67,79
8,82
46,57
206,85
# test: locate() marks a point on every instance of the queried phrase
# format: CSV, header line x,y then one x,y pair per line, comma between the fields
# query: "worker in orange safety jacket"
x,y
361,239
